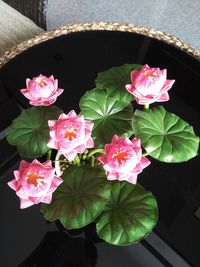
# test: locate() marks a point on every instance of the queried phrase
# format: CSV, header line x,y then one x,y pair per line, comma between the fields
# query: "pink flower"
x,y
123,159
41,90
149,85
70,134
35,182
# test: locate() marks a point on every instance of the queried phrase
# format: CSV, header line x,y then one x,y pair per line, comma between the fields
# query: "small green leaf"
x,y
165,136
129,216
109,115
115,80
80,198
30,131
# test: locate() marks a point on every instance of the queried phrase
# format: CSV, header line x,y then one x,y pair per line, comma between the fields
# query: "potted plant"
x,y
92,161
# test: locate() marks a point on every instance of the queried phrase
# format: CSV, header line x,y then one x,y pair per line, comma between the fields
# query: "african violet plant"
x,y
100,152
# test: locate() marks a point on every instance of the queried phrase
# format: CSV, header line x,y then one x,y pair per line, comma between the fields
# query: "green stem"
x,y
49,154
77,161
94,151
92,161
146,106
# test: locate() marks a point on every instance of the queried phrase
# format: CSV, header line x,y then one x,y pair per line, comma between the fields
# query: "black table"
x,y
75,59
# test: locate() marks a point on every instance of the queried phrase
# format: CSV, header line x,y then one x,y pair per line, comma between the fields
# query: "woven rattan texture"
x,y
167,38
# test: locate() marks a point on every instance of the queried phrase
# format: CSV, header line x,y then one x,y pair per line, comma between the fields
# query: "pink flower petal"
x,y
13,184
163,97
25,203
47,199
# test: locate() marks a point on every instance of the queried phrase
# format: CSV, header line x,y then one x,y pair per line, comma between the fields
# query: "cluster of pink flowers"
x,y
71,134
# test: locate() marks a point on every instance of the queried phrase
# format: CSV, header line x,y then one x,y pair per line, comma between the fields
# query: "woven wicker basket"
x,y
100,26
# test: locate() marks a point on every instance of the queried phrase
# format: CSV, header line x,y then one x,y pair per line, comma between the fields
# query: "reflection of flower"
x,y
41,90
70,134
35,182
123,159
149,85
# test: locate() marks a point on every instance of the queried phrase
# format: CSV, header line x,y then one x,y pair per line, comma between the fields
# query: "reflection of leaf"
x,y
129,216
115,80
109,115
165,136
80,198
30,131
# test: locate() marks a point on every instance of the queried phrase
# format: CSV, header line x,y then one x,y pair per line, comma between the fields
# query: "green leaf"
x,y
115,80
109,115
30,131
80,198
129,216
165,136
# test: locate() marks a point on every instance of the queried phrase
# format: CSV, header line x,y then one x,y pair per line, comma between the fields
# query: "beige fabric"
x,y
14,28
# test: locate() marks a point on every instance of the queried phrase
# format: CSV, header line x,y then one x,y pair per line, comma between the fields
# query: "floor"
x,y
180,18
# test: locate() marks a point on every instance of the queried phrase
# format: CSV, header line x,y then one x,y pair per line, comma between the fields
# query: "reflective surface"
x,y
75,60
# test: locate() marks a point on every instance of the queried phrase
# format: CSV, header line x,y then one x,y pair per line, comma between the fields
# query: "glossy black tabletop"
x,y
75,59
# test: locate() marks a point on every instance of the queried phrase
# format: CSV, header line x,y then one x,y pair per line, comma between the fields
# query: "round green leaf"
x,y
165,136
30,131
109,115
115,79
129,216
80,198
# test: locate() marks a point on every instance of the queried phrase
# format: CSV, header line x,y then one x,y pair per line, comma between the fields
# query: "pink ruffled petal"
x,y
129,88
17,175
103,159
136,142
88,126
134,75
52,123
47,199
58,92
107,148
24,164
89,143
13,184
27,82
47,164
70,155
132,179
168,84
52,144
163,97
115,139
163,73
71,114
26,93
145,162
25,203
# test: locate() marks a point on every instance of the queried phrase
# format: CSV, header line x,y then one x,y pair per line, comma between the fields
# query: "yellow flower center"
x,y
70,134
150,74
120,156
34,179
41,82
